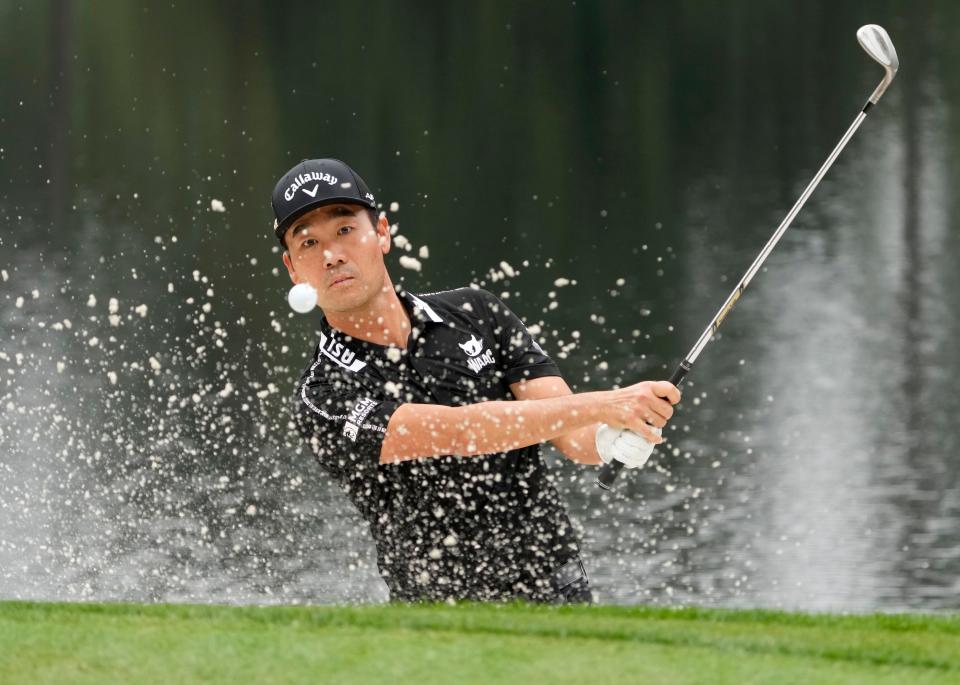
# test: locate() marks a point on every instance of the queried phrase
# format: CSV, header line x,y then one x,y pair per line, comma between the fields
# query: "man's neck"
x,y
383,321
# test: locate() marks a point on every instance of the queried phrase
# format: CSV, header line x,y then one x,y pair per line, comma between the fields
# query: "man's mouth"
x,y
340,279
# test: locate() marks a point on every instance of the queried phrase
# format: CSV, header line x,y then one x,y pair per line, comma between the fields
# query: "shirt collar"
x,y
418,309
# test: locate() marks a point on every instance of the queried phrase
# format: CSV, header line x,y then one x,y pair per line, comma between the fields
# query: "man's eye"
x,y
308,242
343,230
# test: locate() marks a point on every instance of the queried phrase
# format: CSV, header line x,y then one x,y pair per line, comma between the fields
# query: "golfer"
x,y
428,410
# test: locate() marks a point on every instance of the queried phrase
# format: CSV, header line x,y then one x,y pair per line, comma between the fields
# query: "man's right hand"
x,y
640,406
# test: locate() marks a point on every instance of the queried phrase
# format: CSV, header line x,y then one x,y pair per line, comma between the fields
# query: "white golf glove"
x,y
623,445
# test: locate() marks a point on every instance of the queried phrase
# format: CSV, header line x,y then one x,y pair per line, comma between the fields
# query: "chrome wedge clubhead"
x,y
877,43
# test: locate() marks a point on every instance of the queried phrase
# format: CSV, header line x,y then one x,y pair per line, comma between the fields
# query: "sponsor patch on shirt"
x,y
355,418
475,359
337,352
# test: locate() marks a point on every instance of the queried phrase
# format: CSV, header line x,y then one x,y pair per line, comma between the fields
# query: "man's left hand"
x,y
623,445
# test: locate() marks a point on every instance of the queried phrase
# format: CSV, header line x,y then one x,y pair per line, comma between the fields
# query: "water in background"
x,y
641,154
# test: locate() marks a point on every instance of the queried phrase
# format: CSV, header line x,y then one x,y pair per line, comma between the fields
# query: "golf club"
x,y
877,44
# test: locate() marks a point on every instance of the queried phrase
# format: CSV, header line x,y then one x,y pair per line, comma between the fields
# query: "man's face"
x,y
339,252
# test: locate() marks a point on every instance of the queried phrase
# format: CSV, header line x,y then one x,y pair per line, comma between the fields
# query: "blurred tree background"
x,y
641,151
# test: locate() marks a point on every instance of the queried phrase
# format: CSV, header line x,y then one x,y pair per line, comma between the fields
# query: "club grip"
x,y
679,373
609,472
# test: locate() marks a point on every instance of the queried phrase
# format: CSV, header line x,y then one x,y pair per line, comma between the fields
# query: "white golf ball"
x,y
302,298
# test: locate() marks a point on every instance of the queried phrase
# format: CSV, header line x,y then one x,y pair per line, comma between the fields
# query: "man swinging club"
x,y
428,410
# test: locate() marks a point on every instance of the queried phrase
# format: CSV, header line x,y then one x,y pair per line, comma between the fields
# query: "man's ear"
x,y
383,234
287,262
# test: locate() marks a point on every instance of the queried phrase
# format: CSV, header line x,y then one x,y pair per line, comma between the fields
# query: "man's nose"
x,y
333,257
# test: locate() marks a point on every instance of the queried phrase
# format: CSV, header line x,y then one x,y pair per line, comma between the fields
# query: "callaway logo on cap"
x,y
313,183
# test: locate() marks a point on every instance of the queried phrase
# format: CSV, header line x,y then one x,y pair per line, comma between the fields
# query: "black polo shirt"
x,y
488,527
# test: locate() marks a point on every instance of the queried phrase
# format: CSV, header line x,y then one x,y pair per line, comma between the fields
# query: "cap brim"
x,y
281,228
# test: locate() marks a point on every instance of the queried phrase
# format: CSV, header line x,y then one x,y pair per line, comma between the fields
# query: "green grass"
x,y
132,643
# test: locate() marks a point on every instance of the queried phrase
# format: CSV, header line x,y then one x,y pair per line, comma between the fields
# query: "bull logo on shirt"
x,y
472,347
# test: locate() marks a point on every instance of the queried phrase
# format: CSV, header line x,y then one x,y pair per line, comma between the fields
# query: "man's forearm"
x,y
424,430
580,445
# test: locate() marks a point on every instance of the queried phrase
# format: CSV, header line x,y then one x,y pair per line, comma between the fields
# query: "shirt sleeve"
x,y
344,428
522,357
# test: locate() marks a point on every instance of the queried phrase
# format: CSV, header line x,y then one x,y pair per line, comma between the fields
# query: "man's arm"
x,y
578,445
428,430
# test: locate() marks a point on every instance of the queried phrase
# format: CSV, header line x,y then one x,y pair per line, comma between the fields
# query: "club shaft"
x,y
711,329
608,472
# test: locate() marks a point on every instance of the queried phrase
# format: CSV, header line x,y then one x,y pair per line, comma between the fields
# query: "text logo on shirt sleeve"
x,y
355,418
339,353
